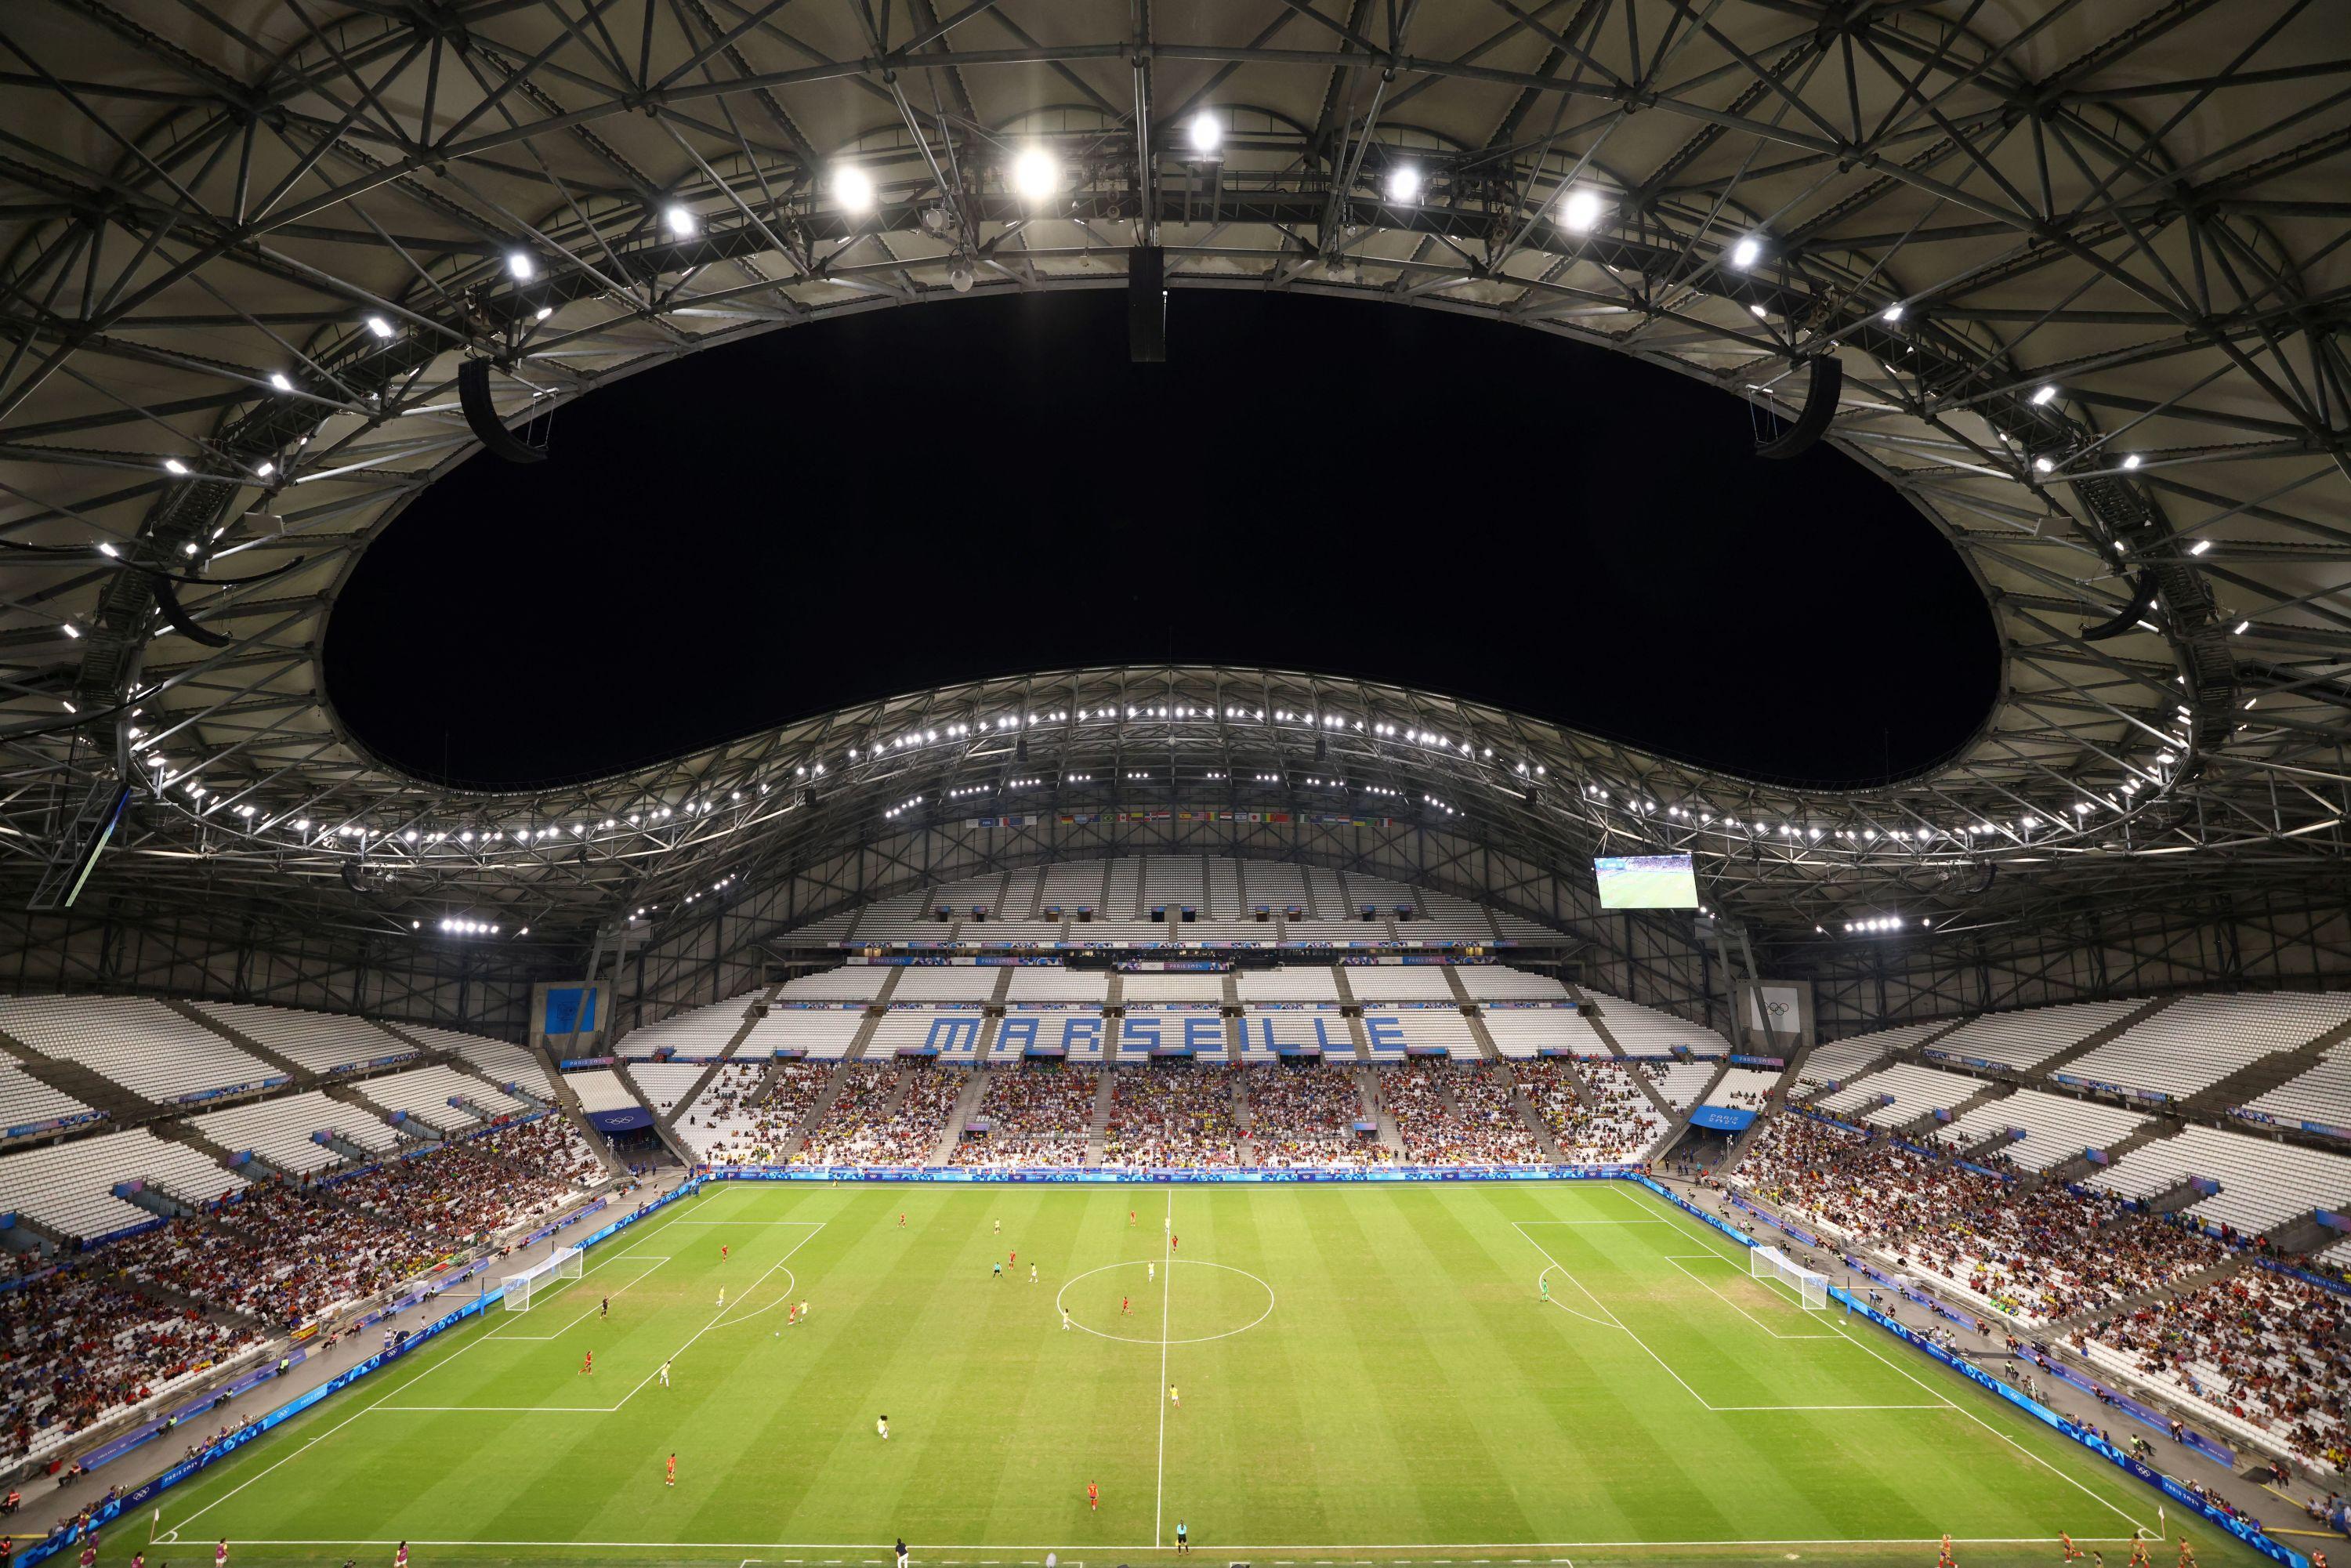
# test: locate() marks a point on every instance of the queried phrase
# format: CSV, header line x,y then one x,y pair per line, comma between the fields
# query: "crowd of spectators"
x,y
721,1125
859,1119
1456,1115
1172,1117
462,1191
2050,1254
281,1255
1306,1115
84,1342
1611,1122
2263,1346
1036,1116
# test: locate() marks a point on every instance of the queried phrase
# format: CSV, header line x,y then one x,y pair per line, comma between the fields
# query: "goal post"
x,y
1811,1287
520,1288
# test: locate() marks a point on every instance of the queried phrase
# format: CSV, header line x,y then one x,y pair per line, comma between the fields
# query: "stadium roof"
x,y
2084,267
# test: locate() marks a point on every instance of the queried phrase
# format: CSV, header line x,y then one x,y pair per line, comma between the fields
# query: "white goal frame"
x,y
1771,1263
561,1265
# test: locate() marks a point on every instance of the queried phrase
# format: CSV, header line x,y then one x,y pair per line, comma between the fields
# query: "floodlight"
x,y
542,313
1036,175
2130,461
520,265
1747,252
680,220
173,466
2044,395
1580,211
852,187
378,325
1893,312
1206,134
1404,184
278,379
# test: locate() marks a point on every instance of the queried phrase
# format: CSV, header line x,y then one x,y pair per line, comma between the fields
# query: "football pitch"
x,y
1367,1373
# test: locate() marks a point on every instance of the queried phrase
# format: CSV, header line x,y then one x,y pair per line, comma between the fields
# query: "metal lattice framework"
x,y
2086,277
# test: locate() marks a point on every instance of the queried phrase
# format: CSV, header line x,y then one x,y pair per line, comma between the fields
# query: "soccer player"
x,y
1093,1497
901,1551
1150,1272
604,1308
721,1251
1033,1274
2140,1557
722,1295
2066,1544
1174,1398
670,1479
902,1225
1065,1320
1000,1228
1130,1220
1012,1260
400,1558
882,1426
89,1551
997,1271
1174,1241
664,1375
220,1552
1943,1558
1543,1286
803,1312
1125,1308
2186,1557
588,1364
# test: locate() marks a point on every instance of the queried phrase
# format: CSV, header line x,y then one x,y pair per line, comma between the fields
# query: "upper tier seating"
x,y
2322,1095
1522,1033
323,1042
1398,983
69,1187
600,1089
850,983
2197,1040
424,1093
281,1131
696,1032
1500,983
1914,1089
945,983
1389,1033
1288,983
1178,986
28,1104
661,1083
952,1033
2056,1129
1743,1088
2262,1183
2023,1041
1645,1031
139,1043
1682,1083
1052,983
819,1034
1847,1059
503,1062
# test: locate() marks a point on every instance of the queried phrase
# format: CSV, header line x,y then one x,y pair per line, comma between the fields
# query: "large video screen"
x,y
1646,881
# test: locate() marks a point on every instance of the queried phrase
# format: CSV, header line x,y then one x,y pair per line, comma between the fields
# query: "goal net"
x,y
1771,1263
562,1265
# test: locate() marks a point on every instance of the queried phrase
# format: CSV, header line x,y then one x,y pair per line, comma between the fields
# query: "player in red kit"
x,y
1093,1497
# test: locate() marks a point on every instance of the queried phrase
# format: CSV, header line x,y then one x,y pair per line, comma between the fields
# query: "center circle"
x,y
1217,1299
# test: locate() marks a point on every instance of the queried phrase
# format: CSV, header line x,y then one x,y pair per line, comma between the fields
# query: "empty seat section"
x,y
2056,1128
2197,1040
664,1083
1052,983
1500,983
282,1132
1647,1032
28,1105
1288,983
820,1034
2321,1095
952,1034
1174,986
1843,1058
850,983
69,1187
1391,1033
600,1089
1911,1091
695,1032
140,1044
1398,983
323,1042
1520,1033
2026,1039
501,1060
945,983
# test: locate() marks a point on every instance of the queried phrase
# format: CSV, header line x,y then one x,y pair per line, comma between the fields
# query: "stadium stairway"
x,y
798,1137
1244,1119
1591,1014
1367,1085
1486,1050
1528,1114
1098,1124
1921,1127
303,1077
2255,1078
975,1085
753,1011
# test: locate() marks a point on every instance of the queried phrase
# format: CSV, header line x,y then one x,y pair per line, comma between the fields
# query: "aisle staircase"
x,y
1098,1124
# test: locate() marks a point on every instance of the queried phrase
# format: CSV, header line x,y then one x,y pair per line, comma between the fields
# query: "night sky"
x,y
914,497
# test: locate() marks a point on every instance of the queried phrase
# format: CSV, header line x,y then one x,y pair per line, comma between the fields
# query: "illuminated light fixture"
x,y
2240,628
680,221
2044,394
852,187
1747,252
1893,312
379,327
265,469
1206,134
542,313
111,554
70,629
1580,211
1404,184
2130,461
2200,546
520,265
2044,466
279,380
1036,175
173,466
1756,311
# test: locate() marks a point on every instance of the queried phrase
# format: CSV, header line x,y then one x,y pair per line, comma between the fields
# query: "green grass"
x,y
1366,1368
